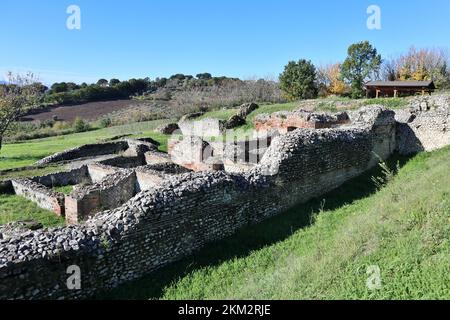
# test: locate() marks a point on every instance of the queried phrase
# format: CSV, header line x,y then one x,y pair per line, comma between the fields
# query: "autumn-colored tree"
x,y
420,64
330,80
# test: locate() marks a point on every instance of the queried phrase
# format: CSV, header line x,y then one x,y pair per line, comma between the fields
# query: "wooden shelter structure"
x,y
376,89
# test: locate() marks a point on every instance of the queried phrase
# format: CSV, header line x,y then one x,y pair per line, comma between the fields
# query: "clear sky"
x,y
240,38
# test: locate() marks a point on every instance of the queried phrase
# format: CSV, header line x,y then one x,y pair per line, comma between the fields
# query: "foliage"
x,y
298,81
330,80
105,122
362,64
80,125
17,97
420,64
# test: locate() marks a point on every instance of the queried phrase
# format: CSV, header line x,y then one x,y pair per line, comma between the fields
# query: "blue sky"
x,y
241,38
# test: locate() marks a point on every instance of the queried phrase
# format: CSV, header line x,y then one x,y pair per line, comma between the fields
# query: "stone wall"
x,y
89,150
98,172
109,193
285,121
202,128
58,179
419,131
39,194
187,211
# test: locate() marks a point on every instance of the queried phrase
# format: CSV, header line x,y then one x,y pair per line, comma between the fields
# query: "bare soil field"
x,y
88,111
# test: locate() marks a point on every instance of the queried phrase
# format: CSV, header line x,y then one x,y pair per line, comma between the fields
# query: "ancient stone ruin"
x,y
103,179
134,209
289,121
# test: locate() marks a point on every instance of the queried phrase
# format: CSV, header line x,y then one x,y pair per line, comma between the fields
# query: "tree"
x,y
114,82
420,64
362,64
298,81
16,98
330,81
390,71
59,87
102,82
39,87
204,76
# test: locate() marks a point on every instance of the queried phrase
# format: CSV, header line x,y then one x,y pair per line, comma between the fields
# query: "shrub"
x,y
80,125
61,125
105,122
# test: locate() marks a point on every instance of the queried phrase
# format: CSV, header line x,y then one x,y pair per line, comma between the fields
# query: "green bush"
x,y
298,81
80,125
105,122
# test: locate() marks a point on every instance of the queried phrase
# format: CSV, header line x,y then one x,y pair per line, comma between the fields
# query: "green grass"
x,y
322,249
64,189
16,208
27,153
391,103
32,172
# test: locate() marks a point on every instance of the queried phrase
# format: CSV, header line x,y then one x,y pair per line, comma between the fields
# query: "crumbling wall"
x,y
39,194
98,171
187,211
156,157
285,121
192,152
125,162
64,178
419,131
109,193
85,151
202,128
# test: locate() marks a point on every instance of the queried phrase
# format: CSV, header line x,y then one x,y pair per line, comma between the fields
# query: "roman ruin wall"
x,y
425,130
41,195
285,121
156,214
183,212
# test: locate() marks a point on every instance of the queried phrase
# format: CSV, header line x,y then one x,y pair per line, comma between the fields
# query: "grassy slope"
x,y
27,153
404,229
14,208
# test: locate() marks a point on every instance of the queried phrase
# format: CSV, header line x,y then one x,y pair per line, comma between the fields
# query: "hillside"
x,y
322,250
90,111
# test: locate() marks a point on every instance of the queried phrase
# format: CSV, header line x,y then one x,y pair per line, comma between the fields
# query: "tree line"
x,y
71,93
303,80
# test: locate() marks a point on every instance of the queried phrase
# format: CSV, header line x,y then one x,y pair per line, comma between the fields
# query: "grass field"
x,y
323,249
15,208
